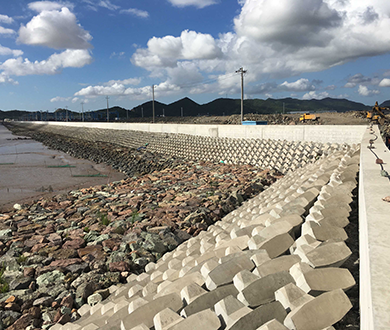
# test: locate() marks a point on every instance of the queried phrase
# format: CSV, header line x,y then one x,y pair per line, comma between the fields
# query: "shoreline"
x,y
25,175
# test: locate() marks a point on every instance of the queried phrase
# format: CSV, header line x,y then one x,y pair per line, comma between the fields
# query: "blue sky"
x,y
61,53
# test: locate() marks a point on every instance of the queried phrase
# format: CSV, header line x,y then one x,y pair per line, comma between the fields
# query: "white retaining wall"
x,y
316,133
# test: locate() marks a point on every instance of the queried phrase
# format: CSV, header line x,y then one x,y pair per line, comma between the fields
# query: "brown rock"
x,y
12,307
63,263
35,312
64,254
55,239
64,319
28,272
67,301
74,244
120,266
22,323
91,252
36,248
11,299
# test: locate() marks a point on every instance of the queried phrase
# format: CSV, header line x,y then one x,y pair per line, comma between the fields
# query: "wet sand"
x,y
25,173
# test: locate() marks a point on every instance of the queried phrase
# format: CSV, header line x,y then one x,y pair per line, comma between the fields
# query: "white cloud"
x,y
53,65
278,39
164,52
60,99
117,55
93,5
385,82
286,22
9,51
40,6
135,12
195,3
55,29
314,95
5,79
129,81
298,86
6,31
6,19
364,91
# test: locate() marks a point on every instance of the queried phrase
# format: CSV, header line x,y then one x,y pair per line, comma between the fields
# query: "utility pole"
x,y
127,114
153,102
242,71
142,112
163,112
283,107
108,113
67,117
82,110
182,111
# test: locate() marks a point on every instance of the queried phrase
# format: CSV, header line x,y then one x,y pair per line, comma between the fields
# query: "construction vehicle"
x,y
376,114
307,116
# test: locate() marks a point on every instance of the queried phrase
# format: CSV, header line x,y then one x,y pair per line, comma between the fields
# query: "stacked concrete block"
x,y
273,263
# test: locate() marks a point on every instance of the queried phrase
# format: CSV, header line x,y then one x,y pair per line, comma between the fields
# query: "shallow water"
x,y
24,171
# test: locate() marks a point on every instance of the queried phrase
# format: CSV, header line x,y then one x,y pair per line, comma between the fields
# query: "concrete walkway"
x,y
374,230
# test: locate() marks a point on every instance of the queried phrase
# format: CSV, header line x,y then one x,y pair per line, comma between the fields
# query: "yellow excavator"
x,y
307,117
376,114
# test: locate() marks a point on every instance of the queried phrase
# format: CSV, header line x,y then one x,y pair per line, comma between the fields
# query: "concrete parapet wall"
x,y
374,234
316,133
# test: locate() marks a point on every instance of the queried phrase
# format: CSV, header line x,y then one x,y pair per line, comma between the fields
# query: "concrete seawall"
x,y
373,212
317,133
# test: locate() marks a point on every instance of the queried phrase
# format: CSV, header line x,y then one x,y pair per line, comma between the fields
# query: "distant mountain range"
x,y
218,107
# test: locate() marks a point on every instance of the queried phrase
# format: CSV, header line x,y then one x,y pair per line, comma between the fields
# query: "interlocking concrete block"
x,y
84,310
241,242
175,264
237,232
224,273
205,319
321,280
171,274
146,314
209,299
274,246
279,264
150,289
323,231
150,267
91,326
208,266
332,254
140,327
134,290
242,279
319,313
272,325
294,219
136,303
177,285
163,285
166,319
191,292
275,229
231,250
262,290
260,257
291,296
259,316
229,306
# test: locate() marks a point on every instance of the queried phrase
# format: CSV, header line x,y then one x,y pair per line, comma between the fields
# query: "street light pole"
x,y
108,113
242,71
